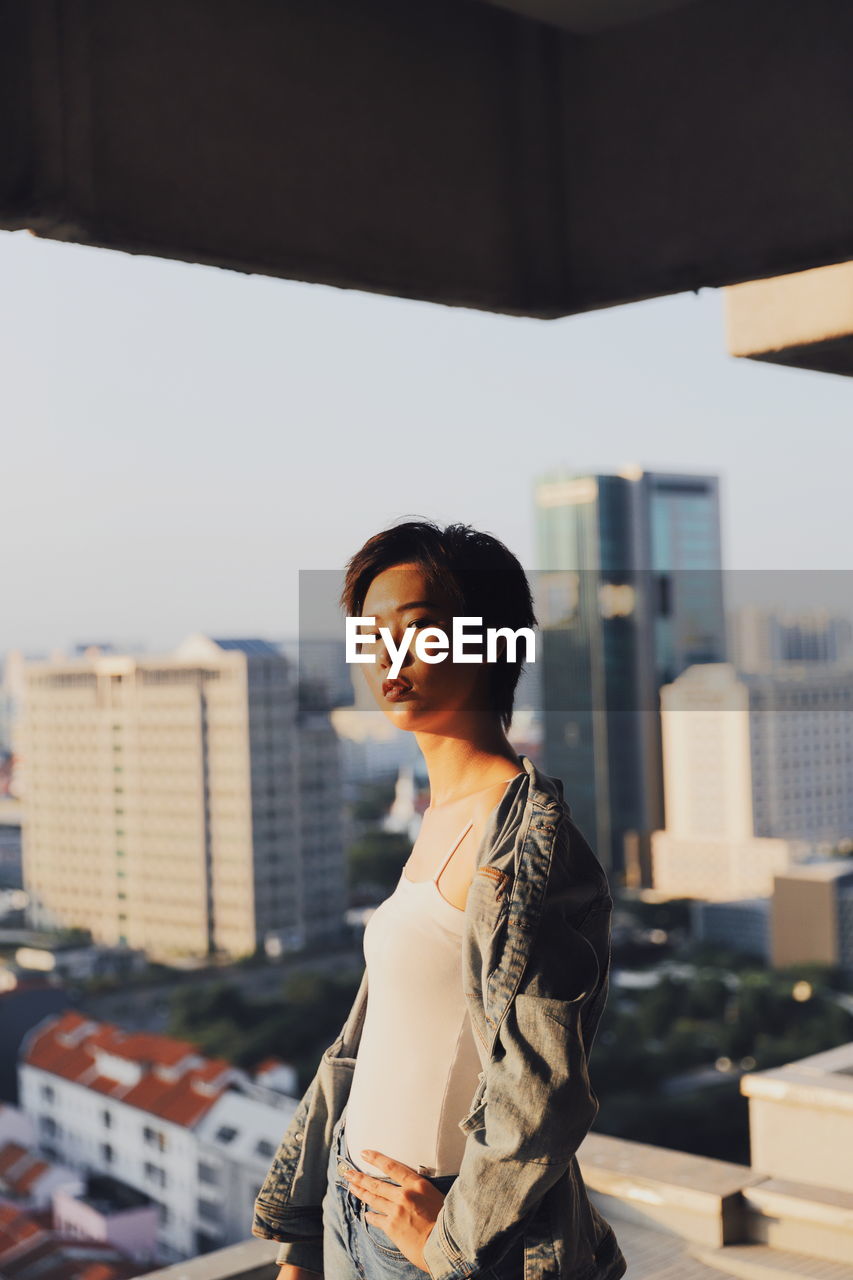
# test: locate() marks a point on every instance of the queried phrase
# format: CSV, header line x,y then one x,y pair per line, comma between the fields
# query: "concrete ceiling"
x,y
588,15
449,150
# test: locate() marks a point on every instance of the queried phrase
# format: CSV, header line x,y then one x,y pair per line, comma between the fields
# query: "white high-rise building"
x,y
758,775
163,801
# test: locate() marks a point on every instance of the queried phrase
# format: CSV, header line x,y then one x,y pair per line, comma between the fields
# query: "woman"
x,y
487,968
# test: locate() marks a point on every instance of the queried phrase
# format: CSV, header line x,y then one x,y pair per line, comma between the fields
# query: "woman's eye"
x,y
423,622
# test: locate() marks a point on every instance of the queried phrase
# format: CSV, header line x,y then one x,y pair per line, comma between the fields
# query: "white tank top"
x,y
418,1058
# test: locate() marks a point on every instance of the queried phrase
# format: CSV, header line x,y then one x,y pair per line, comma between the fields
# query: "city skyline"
x,y
182,435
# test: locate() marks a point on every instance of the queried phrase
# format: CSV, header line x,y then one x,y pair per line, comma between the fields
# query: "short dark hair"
x,y
481,575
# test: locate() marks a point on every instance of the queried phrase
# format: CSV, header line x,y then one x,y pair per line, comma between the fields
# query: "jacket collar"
x,y
545,791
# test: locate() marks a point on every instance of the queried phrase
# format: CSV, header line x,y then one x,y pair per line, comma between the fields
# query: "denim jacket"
x,y
535,964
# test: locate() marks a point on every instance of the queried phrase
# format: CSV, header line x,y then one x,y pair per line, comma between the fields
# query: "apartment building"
x,y
162,806
154,1113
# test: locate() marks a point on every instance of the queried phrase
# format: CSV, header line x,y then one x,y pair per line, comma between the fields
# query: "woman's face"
x,y
425,696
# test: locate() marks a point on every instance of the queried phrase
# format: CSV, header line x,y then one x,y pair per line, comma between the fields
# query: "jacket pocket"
x,y
547,1059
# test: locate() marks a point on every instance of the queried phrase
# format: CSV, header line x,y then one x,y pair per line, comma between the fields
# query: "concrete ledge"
x,y
760,1262
804,319
251,1259
824,1082
797,1216
696,1198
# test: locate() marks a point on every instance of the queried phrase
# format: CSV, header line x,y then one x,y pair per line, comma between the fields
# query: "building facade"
x,y
812,916
758,776
629,595
162,801
133,1106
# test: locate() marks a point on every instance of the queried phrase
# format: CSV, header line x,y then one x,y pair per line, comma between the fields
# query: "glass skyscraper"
x,y
629,593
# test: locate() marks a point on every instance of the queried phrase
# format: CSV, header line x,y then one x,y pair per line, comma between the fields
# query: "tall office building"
x,y
163,805
629,593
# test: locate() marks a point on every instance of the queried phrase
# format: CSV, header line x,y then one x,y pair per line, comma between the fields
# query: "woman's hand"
x,y
407,1208
287,1271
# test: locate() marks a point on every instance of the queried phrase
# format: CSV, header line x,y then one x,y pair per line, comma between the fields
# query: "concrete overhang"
x,y
588,15
451,150
804,320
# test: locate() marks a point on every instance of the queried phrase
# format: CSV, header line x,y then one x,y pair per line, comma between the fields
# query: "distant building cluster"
x,y
187,1139
758,768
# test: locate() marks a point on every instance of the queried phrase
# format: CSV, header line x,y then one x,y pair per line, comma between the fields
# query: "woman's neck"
x,y
459,766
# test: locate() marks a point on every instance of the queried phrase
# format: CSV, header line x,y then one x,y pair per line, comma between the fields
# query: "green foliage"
x,y
669,915
709,1123
377,857
374,801
682,1025
73,937
297,1026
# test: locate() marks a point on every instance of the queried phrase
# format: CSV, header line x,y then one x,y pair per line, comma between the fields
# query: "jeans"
x,y
355,1249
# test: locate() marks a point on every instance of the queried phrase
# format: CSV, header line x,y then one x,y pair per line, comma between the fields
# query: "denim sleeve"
x,y
538,1105
302,1237
289,1204
302,1253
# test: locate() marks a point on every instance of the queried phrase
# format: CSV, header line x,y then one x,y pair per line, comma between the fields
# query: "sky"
x,y
179,441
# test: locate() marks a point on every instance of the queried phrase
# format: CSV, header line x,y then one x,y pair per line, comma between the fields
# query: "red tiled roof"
x,y
20,1169
16,1227
23,1184
144,1046
28,1246
213,1068
10,1154
57,1257
268,1064
100,1271
159,1090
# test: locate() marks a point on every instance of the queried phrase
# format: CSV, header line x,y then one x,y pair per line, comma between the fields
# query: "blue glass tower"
x,y
629,593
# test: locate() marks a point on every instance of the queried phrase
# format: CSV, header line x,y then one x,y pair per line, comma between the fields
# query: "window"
x,y
155,1174
208,1173
154,1138
106,1152
48,1092
225,1133
265,1147
48,1125
107,1118
209,1211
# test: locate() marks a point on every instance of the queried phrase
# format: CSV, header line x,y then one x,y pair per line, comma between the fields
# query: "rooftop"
x,y
676,1217
835,869
173,1081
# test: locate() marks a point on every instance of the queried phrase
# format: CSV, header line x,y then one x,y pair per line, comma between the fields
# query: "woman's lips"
x,y
396,690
